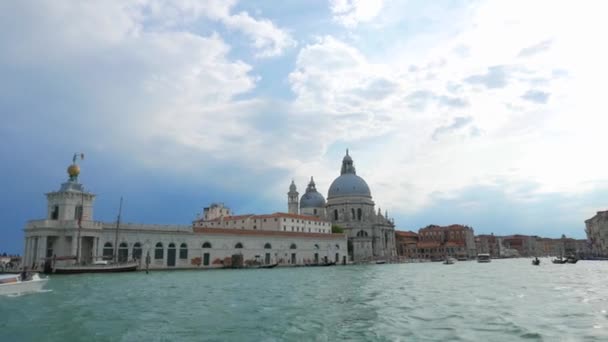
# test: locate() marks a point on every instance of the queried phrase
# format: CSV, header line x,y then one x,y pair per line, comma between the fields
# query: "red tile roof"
x,y
274,215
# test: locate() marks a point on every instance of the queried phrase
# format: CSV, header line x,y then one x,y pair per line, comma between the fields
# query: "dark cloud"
x,y
536,96
496,77
535,49
457,123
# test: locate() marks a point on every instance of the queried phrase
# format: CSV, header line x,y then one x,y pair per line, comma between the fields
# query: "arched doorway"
x,y
293,247
171,255
137,251
206,254
267,254
123,252
108,251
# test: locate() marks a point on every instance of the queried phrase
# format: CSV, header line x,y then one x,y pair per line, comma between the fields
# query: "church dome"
x,y
312,198
348,184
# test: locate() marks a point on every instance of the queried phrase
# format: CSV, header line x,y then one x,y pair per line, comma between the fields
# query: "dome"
x,y
349,184
312,200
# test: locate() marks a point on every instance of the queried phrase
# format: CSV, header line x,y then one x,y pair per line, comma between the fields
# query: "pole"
x,y
116,237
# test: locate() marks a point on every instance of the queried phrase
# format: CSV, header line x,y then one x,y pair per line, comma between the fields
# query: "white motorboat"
x,y
483,257
12,284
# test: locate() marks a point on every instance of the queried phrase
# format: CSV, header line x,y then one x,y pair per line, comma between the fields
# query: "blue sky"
x,y
489,114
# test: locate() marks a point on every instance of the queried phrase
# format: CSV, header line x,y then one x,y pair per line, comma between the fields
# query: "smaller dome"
x,y
73,170
312,200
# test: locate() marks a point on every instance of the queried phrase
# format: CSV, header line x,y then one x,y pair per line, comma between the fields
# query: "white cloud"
x,y
352,12
551,141
268,39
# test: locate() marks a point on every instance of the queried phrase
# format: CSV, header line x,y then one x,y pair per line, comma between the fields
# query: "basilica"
x,y
349,205
344,229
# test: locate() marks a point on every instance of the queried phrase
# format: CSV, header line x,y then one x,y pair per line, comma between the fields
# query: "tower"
x,y
292,199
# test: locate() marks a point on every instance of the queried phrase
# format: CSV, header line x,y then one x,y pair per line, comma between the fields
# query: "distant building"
x,y
597,233
435,242
406,244
487,244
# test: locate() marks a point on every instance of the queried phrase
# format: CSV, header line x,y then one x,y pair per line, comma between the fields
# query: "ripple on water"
x,y
505,300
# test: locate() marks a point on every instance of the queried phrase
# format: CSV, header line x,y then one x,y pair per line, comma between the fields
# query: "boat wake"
x,y
13,295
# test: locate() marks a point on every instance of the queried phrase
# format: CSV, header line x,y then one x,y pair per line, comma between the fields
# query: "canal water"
x,y
505,300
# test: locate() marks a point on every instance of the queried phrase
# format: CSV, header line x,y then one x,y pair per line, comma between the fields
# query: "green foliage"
x,y
335,229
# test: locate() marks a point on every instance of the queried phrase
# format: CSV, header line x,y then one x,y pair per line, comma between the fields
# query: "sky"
x,y
484,113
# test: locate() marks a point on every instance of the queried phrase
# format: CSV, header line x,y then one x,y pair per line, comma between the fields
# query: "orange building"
x,y
406,244
435,242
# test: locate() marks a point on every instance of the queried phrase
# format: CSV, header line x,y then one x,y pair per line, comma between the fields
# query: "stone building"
x,y
371,235
69,234
596,229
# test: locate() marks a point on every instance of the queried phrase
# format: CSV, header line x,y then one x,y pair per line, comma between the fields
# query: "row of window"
x,y
108,250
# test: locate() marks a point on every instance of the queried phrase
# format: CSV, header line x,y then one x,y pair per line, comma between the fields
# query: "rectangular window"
x,y
78,213
55,213
206,259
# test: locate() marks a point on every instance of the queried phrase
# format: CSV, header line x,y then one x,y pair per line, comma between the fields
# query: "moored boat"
x,y
536,262
14,284
96,268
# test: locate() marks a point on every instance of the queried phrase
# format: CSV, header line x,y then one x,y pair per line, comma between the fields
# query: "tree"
x,y
335,229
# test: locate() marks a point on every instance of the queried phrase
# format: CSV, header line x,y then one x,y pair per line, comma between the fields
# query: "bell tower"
x,y
292,199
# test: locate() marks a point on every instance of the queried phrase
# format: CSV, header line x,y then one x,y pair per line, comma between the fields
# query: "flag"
x,y
81,156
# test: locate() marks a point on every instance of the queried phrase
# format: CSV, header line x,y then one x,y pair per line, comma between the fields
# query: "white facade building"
x,y
69,234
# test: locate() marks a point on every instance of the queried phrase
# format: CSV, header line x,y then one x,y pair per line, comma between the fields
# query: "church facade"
x,y
349,205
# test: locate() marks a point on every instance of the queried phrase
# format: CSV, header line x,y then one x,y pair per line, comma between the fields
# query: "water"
x,y
505,300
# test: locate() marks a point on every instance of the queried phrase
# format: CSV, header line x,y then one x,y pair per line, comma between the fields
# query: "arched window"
x,y
362,233
183,251
238,245
335,214
159,251
123,252
108,251
267,246
359,214
316,246
137,251
206,245
337,246
352,213
293,246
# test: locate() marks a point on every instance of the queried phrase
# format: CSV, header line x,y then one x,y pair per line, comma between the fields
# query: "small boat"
x,y
14,285
559,260
536,262
571,260
462,258
448,261
379,262
96,268
269,266
483,257
329,263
